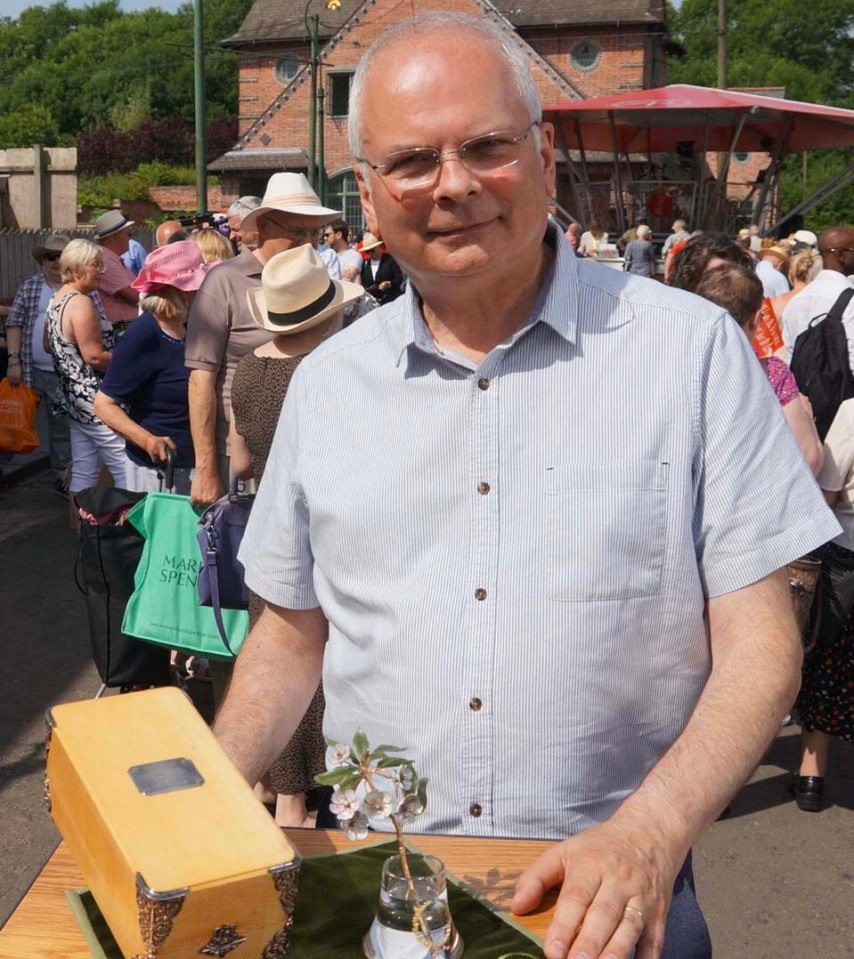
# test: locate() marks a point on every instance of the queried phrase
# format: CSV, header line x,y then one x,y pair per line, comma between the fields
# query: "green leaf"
x,y
360,744
421,791
389,763
339,776
385,748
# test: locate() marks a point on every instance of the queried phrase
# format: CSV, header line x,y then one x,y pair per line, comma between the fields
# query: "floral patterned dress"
x,y
78,381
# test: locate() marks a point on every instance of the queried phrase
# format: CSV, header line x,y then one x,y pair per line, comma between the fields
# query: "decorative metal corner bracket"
x,y
157,912
286,881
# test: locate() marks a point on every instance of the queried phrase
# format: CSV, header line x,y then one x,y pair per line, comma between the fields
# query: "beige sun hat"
x,y
290,193
296,292
370,242
55,243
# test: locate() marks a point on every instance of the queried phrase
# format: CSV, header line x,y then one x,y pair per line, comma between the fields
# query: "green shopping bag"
x,y
164,608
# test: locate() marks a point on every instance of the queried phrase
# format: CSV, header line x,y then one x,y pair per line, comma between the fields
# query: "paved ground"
x,y
774,883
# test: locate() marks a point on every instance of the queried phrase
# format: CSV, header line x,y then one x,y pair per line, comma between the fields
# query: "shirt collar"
x,y
556,304
246,263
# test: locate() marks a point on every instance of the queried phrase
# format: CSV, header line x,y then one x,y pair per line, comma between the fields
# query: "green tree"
x,y
31,124
807,50
94,65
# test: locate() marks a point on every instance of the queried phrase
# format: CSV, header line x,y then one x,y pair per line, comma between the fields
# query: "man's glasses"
x,y
295,232
838,249
51,257
416,171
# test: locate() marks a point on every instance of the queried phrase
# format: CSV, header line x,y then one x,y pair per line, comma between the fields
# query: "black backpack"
x,y
820,364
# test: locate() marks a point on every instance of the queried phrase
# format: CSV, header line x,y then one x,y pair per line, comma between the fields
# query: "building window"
x,y
586,55
741,157
339,94
286,69
342,193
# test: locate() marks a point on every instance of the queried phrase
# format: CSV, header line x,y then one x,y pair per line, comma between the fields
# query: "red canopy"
x,y
661,120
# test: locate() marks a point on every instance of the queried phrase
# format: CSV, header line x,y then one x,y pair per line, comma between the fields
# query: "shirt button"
x,y
475,809
483,488
475,704
483,383
480,593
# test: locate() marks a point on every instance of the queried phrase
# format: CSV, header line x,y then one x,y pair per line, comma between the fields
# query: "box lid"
x,y
175,833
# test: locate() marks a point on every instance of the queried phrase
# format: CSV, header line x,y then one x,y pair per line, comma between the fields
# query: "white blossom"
x,y
344,805
337,755
378,803
409,809
355,828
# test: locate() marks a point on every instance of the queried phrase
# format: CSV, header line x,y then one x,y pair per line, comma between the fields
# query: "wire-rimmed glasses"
x,y
415,171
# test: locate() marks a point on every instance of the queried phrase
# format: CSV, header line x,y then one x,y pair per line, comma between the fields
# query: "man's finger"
x,y
572,906
599,923
546,872
651,943
626,935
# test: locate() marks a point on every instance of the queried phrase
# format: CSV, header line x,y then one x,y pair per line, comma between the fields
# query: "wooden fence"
x,y
16,253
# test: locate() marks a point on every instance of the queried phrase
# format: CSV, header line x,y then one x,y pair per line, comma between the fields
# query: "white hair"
x,y
244,205
435,21
76,256
643,231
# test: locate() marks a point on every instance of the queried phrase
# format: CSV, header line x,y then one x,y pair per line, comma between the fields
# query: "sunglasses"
x,y
51,257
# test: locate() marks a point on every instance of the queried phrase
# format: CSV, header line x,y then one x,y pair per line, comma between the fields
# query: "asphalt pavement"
x,y
774,883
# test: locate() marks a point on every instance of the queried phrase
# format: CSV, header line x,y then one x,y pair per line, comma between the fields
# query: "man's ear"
x,y
547,155
371,221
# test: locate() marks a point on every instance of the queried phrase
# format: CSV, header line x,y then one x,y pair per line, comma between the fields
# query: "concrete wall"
x,y
38,188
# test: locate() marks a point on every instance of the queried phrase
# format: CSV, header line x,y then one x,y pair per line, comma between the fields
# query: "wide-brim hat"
x,y
777,251
297,293
290,193
370,242
806,236
113,221
55,243
177,264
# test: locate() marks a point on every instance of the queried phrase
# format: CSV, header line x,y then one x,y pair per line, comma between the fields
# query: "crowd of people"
x,y
526,515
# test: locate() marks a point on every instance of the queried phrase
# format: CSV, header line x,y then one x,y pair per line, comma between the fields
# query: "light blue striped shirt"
x,y
514,555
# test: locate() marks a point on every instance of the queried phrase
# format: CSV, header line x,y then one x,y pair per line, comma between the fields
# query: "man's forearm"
x,y
755,675
275,678
13,339
202,398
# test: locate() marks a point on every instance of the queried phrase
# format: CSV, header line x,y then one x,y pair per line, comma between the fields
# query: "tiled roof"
x,y
284,19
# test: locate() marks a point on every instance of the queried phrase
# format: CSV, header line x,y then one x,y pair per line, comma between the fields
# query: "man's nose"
x,y
455,181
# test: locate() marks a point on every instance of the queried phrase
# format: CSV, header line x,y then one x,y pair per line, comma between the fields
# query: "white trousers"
x,y
91,445
148,479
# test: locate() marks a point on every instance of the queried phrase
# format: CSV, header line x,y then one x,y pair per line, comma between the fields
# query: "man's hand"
x,y
14,373
616,883
206,488
156,447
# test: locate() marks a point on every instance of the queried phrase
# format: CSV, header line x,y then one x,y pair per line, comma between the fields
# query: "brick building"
x,y
576,49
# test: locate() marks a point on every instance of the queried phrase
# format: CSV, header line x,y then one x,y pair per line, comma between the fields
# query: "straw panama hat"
x,y
777,251
113,221
296,292
371,242
290,193
178,264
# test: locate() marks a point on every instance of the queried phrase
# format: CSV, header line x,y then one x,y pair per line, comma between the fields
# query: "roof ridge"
x,y
543,62
303,74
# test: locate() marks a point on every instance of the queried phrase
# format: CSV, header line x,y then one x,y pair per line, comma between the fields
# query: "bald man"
x,y
836,247
169,231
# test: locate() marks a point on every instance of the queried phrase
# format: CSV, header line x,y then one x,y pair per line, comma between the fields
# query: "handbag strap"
x,y
210,559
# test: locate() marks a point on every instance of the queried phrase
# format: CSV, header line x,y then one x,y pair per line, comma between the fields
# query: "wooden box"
x,y
180,856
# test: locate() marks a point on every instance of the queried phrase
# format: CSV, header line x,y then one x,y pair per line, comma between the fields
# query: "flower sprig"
x,y
372,783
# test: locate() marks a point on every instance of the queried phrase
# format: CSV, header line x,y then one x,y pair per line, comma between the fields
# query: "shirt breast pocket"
x,y
607,530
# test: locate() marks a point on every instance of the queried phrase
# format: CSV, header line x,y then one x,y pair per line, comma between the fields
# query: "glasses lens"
x,y
52,257
495,151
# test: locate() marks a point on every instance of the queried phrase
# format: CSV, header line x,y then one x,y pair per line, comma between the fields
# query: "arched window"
x,y
342,193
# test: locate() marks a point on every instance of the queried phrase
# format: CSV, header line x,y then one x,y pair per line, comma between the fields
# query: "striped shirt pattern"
x,y
514,555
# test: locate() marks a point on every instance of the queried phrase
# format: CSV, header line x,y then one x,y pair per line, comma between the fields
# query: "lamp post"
x,y
199,79
316,161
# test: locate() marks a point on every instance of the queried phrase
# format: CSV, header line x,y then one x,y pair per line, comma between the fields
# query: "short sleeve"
x,y
129,370
115,277
838,450
782,381
757,506
208,327
276,548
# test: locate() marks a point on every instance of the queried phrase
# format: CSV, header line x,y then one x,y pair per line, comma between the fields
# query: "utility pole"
x,y
722,64
199,79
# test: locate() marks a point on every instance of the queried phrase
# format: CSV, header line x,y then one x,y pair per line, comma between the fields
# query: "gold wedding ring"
x,y
637,912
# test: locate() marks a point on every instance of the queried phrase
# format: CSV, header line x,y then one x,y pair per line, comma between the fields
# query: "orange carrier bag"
x,y
18,405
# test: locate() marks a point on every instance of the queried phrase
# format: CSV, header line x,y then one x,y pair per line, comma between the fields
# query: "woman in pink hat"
x,y
143,397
